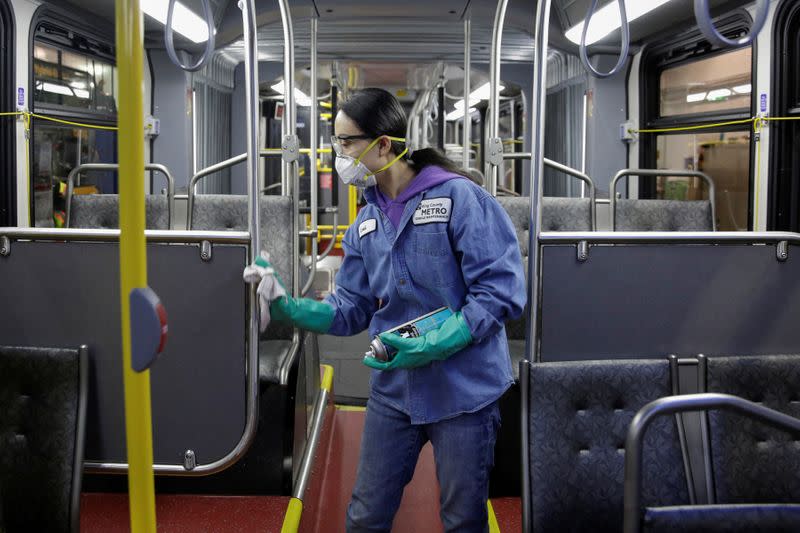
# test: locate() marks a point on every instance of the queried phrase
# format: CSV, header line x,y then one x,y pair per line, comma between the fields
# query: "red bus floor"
x,y
325,502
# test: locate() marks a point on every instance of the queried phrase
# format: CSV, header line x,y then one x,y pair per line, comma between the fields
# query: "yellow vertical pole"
x,y
133,260
352,203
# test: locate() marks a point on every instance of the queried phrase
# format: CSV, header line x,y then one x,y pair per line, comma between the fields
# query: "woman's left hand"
x,y
453,336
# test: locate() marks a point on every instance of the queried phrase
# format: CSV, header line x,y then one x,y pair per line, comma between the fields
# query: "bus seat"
x,y
752,462
43,401
558,214
101,211
663,215
220,212
576,421
753,466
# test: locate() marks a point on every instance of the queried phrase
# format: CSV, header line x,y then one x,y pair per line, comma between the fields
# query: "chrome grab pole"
x,y
537,171
494,143
254,224
290,144
467,88
313,160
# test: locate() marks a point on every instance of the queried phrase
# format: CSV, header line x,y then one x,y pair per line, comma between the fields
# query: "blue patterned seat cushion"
x,y
751,461
101,211
215,212
723,519
579,416
663,215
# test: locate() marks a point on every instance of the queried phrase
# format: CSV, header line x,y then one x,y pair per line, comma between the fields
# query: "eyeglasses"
x,y
342,141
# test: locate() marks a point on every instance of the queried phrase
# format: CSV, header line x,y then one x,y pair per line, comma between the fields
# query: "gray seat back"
x,y
101,211
576,422
216,212
42,423
663,215
558,214
752,462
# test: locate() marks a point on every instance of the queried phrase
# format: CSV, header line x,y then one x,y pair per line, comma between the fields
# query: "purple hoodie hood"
x,y
428,177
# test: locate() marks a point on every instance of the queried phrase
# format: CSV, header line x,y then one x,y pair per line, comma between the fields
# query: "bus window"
x,y
80,88
717,83
723,156
72,80
687,85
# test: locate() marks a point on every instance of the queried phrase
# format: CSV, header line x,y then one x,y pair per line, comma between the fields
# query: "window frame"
x,y
689,47
86,115
83,27
783,209
8,152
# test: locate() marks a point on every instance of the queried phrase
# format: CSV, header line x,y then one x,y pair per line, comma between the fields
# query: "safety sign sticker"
x,y
433,210
366,227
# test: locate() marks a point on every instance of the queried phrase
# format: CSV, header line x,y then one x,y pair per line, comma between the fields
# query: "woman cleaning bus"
x,y
427,238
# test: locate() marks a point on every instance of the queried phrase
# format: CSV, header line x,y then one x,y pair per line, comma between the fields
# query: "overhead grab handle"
x,y
626,41
169,40
706,25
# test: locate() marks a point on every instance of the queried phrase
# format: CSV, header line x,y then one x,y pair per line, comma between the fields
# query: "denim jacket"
x,y
455,246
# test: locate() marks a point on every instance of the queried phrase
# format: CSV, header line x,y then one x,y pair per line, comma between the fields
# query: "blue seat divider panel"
x,y
579,416
67,294
651,300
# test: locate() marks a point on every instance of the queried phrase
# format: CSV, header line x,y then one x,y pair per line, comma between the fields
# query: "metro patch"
x,y
367,227
433,210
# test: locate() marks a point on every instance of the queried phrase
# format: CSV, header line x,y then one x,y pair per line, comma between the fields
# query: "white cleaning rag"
x,y
269,289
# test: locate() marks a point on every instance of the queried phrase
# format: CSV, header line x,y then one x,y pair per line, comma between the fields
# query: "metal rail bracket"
x,y
205,251
5,246
495,148
583,251
290,148
782,251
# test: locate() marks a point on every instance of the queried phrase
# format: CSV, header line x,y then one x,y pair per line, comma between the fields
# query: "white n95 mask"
x,y
353,172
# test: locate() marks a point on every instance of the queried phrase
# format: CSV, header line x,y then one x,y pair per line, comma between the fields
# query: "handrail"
x,y
335,228
467,88
678,404
626,41
662,172
314,185
113,166
490,167
138,421
566,170
222,165
294,510
541,29
112,235
710,32
169,41
668,237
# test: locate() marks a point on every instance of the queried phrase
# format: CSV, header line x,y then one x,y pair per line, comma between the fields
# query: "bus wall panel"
x,y
67,294
636,301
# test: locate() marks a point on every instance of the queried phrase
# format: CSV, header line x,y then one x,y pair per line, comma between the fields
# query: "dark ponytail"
x,y
377,112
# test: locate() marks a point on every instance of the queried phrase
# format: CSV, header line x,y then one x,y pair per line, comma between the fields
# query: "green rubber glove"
x,y
436,345
305,313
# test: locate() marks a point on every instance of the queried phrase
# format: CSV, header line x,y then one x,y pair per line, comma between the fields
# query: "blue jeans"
x,y
463,449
